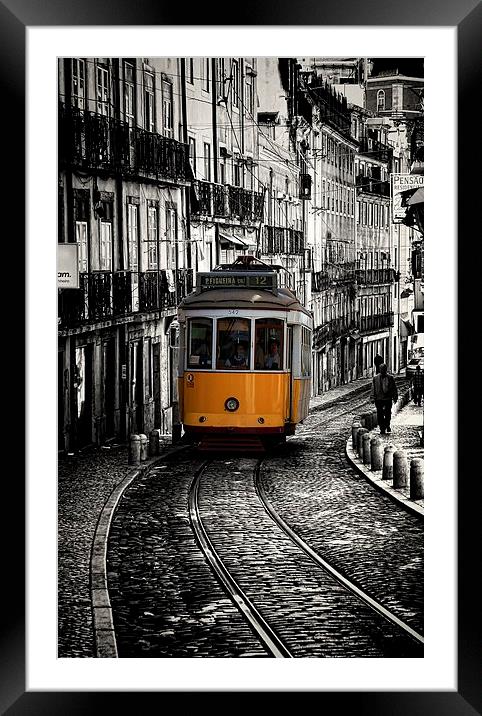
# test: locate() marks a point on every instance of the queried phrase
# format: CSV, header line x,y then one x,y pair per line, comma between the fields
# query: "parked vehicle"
x,y
412,366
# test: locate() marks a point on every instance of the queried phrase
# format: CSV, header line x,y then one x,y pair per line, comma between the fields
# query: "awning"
x,y
406,328
230,239
417,197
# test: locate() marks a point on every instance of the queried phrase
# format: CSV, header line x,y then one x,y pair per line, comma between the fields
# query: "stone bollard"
x,y
374,419
354,429
388,462
416,478
154,442
376,454
359,447
400,469
366,448
143,439
364,420
134,450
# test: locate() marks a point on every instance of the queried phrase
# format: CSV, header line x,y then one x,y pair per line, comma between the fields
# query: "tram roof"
x,y
247,298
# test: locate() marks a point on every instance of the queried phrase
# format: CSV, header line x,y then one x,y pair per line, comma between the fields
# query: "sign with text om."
x,y
402,183
67,266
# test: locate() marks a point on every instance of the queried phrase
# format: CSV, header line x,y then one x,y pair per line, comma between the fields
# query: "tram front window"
x,y
200,343
268,352
233,341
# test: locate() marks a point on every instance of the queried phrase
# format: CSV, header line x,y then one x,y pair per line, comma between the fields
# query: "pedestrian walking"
x,y
383,393
417,386
378,360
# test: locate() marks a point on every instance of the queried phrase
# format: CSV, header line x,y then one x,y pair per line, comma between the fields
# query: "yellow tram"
x,y
245,356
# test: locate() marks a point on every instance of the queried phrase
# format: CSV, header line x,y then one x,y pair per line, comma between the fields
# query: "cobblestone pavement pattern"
x,y
360,531
84,483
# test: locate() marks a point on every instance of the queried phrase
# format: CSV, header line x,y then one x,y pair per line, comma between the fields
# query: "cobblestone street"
x,y
382,554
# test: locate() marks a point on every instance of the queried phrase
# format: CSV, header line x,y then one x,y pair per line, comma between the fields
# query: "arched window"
x,y
380,100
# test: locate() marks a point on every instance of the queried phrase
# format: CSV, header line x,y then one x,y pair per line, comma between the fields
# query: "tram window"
x,y
305,352
232,345
268,351
200,343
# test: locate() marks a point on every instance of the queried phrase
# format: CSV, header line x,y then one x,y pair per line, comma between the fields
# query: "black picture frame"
x,y
15,17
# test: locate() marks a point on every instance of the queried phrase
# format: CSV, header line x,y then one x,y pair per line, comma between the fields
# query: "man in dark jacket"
x,y
384,392
378,360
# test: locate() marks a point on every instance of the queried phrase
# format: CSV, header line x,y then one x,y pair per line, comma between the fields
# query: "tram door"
x,y
289,366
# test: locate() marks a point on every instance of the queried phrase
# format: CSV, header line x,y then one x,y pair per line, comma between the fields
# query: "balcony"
x,y
370,185
369,277
332,330
375,149
376,322
281,240
90,141
105,295
336,274
226,202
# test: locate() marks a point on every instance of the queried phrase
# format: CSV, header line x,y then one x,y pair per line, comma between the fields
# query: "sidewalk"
x,y
338,393
406,424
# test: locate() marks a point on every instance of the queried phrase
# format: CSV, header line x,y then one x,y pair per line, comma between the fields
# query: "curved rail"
x,y
350,586
262,629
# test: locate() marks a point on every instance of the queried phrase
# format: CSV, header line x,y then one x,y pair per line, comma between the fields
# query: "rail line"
x,y
323,564
265,633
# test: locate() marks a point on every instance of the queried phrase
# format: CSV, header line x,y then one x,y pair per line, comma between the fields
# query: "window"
x,y
190,70
397,98
192,154
207,161
152,238
78,83
235,83
380,100
171,235
167,119
149,102
236,174
222,172
207,69
132,237
81,233
102,89
364,213
370,214
220,76
268,349
129,93
105,248
200,343
305,352
248,94
233,342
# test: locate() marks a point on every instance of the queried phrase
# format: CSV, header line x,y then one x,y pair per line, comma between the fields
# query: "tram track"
x,y
267,626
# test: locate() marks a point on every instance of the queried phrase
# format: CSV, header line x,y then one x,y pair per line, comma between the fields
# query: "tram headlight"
x,y
231,404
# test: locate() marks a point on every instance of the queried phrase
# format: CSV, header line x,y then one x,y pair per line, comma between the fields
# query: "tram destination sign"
x,y
267,281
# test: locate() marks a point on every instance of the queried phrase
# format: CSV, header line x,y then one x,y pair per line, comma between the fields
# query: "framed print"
x,y
34,677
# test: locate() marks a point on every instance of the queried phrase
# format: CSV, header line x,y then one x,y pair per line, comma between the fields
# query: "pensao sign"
x,y
402,187
67,266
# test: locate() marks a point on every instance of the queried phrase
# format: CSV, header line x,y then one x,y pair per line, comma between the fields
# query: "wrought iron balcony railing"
x,y
370,185
367,277
90,141
334,329
333,275
375,149
281,240
376,322
105,295
226,201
